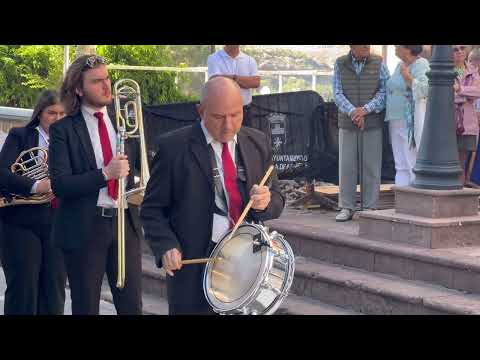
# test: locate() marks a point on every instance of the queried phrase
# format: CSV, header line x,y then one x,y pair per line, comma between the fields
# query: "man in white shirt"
x,y
232,63
84,171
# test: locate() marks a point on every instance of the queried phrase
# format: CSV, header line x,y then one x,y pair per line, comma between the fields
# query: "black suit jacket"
x,y
76,181
18,140
177,211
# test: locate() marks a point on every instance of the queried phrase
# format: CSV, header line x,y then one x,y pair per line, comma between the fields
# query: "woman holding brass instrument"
x,y
33,267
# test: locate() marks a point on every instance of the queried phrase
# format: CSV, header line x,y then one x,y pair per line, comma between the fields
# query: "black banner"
x,y
302,129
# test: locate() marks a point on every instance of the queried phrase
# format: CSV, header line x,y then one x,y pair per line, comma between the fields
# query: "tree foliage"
x,y
156,87
26,70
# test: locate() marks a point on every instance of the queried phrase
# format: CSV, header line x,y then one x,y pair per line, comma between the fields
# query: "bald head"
x,y
219,86
221,108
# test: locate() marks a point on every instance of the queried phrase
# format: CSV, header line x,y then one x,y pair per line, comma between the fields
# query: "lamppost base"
x,y
425,217
437,177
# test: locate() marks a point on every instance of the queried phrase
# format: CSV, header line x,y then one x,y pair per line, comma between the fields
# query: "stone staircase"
x,y
375,277
340,273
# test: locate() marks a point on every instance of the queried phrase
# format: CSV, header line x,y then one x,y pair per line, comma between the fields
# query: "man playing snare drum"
x,y
202,177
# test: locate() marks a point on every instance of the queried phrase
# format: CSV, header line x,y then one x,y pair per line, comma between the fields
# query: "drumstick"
x,y
249,205
240,220
196,261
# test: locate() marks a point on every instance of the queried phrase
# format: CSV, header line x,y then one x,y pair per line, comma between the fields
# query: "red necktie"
x,y
231,185
112,185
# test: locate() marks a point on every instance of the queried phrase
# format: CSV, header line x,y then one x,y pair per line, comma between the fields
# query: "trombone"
x,y
129,125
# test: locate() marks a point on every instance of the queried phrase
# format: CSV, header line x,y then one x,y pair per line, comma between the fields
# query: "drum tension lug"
x,y
258,243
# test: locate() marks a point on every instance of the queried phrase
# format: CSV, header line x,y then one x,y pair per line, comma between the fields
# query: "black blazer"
x,y
18,140
177,211
76,181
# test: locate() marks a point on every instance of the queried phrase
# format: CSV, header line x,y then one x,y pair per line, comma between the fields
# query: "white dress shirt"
x,y
221,63
221,224
43,141
104,200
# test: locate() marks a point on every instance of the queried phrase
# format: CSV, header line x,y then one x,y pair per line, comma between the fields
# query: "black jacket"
x,y
76,181
18,140
177,211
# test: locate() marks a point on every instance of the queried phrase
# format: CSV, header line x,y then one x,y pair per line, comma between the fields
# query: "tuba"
x,y
32,163
129,125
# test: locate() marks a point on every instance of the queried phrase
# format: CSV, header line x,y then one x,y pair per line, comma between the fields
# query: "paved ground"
x,y
105,307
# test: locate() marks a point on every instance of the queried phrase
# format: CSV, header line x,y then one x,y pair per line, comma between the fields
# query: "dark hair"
x,y
74,80
415,50
45,99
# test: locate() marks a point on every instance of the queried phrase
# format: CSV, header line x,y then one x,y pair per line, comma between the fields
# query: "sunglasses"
x,y
459,48
93,61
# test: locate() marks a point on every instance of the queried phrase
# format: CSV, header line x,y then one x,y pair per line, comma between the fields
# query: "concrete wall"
x,y
6,124
12,117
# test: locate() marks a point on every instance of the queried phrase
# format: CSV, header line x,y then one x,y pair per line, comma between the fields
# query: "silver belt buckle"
x,y
108,214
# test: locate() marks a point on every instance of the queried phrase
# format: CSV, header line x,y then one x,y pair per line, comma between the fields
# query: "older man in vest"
x,y
359,90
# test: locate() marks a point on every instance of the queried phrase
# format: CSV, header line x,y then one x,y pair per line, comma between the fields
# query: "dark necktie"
x,y
112,185
231,185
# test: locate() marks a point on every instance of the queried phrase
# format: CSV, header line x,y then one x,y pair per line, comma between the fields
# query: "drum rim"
x,y
259,281
287,284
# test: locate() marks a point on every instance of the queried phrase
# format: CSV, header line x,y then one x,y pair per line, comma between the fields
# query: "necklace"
x,y
459,71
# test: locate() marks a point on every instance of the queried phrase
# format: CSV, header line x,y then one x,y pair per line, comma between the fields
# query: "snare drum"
x,y
249,274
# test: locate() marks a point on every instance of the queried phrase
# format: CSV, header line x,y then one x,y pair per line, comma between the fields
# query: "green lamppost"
x,y
437,166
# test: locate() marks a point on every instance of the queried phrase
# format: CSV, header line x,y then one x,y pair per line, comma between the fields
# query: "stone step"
x,y
453,268
154,289
381,294
153,278
433,233
300,305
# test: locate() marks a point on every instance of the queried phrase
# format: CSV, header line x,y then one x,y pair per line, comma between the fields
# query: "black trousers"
x,y
2,236
201,307
34,270
87,266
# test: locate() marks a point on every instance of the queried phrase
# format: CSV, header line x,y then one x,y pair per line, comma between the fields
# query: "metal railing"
x,y
203,69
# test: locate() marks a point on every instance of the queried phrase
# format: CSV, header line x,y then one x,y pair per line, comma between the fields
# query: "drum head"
x,y
236,271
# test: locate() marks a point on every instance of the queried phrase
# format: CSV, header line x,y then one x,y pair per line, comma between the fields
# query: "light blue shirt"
x,y
398,92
